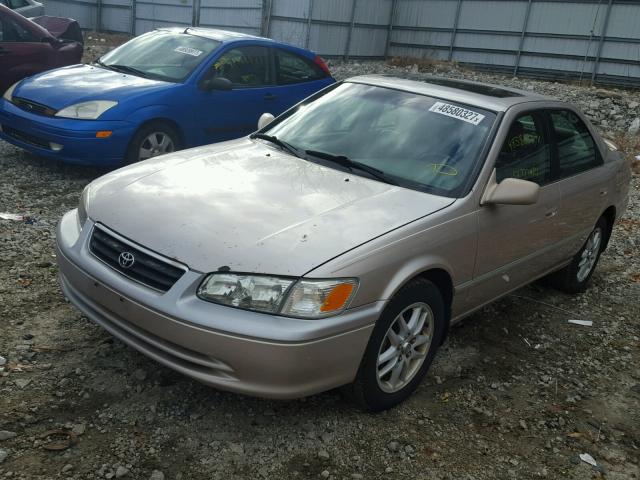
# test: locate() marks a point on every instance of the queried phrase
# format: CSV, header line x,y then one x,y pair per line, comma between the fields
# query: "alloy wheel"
x,y
157,143
589,254
405,347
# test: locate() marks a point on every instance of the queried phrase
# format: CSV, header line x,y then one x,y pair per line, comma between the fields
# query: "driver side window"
x,y
525,153
244,67
10,31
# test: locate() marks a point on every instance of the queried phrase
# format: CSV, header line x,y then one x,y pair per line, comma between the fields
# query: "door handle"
x,y
551,213
270,96
603,192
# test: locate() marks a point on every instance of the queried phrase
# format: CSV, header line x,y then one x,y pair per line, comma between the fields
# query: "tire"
x,y
374,388
574,278
166,137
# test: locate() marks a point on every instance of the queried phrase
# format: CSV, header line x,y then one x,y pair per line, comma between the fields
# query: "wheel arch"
x,y
167,121
442,279
610,216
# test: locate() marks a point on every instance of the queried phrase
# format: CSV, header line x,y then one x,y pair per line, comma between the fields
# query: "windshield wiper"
x,y
126,69
352,164
276,141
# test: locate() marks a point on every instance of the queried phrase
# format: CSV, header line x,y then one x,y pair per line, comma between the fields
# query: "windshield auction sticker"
x,y
188,51
460,113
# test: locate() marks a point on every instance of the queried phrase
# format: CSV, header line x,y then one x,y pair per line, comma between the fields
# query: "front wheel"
x,y
575,277
401,348
153,139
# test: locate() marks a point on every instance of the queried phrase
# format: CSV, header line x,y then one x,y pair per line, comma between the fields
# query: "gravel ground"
x,y
516,392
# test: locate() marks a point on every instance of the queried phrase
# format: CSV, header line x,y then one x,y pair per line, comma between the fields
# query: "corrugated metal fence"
x,y
597,40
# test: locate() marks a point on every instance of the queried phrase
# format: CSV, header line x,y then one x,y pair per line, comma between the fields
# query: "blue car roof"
x,y
226,36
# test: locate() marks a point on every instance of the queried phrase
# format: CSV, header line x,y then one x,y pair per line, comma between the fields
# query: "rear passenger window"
x,y
525,154
292,68
577,150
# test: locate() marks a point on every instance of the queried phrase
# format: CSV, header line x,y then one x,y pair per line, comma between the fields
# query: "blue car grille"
x,y
33,107
146,269
25,137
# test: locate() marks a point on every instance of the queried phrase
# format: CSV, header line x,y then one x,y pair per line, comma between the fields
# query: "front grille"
x,y
33,107
146,269
25,137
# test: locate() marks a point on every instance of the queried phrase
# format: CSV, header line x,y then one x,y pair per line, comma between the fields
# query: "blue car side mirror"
x,y
219,83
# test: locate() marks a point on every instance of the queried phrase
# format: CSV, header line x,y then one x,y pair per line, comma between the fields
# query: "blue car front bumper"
x,y
77,138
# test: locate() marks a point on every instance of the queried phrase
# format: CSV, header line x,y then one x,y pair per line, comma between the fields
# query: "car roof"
x,y
220,35
226,36
484,95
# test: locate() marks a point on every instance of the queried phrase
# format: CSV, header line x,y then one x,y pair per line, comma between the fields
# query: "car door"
x,y
296,77
515,242
582,179
234,113
21,53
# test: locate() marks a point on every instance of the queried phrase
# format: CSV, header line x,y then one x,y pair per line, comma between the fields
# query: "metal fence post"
x,y
306,42
392,16
98,26
267,6
349,35
455,29
133,18
603,34
195,17
522,37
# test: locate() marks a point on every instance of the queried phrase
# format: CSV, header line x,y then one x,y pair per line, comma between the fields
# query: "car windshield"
x,y
162,55
416,141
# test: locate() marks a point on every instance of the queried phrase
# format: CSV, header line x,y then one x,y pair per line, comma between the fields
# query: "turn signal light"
x,y
338,296
103,134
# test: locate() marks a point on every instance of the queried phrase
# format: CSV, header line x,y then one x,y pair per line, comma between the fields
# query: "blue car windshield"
x,y
161,55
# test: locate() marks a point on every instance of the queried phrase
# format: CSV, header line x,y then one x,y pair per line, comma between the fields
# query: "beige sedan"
x,y
336,245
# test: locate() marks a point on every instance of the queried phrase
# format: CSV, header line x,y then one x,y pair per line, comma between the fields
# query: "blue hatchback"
x,y
162,91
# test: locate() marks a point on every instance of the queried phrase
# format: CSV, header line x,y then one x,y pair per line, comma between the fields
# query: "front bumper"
x,y
35,133
231,349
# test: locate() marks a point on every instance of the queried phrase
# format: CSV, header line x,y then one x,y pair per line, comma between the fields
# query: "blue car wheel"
x,y
151,140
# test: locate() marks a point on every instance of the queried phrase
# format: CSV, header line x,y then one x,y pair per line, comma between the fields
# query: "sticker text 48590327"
x,y
460,113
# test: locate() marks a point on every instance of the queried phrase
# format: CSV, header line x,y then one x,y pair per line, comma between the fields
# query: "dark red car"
x,y
32,46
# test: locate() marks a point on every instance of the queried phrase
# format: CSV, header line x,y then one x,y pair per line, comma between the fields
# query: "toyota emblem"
x,y
126,259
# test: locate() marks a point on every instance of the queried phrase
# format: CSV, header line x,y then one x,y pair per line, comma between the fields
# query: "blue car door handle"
x,y
270,96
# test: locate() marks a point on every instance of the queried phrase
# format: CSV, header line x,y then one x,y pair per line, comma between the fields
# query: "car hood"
x,y
66,86
250,207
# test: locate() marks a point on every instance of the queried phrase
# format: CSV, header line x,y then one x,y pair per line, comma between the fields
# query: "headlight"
x,y
82,207
279,295
251,292
86,110
8,95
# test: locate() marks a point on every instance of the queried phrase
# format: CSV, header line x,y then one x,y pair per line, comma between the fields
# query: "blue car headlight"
x,y
86,110
8,95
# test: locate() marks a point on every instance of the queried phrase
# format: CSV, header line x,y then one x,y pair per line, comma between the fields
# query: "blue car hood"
x,y
66,86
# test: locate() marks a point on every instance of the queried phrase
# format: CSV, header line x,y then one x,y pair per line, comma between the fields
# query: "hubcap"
x,y
405,347
158,143
589,254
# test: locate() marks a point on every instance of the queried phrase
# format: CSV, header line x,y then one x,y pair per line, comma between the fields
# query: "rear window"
x,y
292,68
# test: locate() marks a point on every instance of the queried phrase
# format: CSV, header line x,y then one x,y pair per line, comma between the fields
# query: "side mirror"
x,y
219,83
264,120
510,191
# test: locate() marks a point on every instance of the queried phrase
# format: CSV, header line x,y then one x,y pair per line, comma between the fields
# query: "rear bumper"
x,y
35,133
285,358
